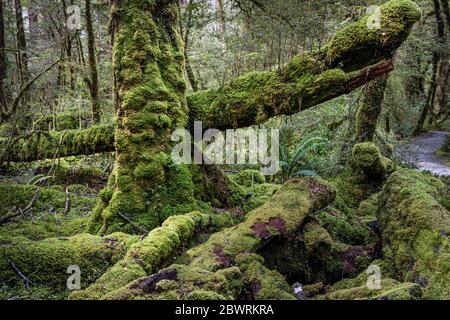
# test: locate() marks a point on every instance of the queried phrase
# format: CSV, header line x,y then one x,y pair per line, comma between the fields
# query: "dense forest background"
x,y
62,69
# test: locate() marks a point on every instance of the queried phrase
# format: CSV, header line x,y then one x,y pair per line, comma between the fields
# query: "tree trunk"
x,y
93,81
370,109
21,44
148,63
3,65
33,20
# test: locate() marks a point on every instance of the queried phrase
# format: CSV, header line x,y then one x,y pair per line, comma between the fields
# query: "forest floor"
x,y
422,153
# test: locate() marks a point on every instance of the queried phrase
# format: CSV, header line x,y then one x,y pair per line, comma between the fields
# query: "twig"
x,y
18,212
26,281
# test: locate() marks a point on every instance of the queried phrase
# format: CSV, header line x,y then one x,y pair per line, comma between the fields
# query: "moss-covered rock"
x,y
364,287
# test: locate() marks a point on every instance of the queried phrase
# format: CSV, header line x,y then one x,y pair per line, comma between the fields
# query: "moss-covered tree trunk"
x,y
148,62
22,56
370,109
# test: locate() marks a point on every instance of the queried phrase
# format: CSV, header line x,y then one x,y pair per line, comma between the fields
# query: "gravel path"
x,y
421,153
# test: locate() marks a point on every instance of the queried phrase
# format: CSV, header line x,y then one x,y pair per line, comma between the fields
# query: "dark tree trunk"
x,y
93,81
370,109
187,31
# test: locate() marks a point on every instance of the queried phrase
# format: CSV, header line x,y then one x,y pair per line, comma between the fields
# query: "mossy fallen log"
x,y
225,266
415,230
48,145
146,256
367,157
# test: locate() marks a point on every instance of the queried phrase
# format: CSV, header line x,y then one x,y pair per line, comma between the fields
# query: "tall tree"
x,y
93,82
21,43
148,63
436,102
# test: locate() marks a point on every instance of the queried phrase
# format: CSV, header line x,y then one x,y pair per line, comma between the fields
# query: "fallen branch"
x,y
18,212
26,281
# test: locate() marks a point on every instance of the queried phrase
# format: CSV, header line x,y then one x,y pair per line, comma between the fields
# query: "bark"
x,y
187,31
21,43
370,109
148,64
3,65
93,81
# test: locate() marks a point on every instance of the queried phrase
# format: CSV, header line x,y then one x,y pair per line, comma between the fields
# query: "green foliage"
x,y
298,157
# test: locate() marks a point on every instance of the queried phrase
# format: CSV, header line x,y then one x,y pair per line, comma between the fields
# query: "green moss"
x,y
415,230
362,45
368,158
148,64
352,188
358,288
283,214
248,178
264,284
146,256
204,295
46,262
260,194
